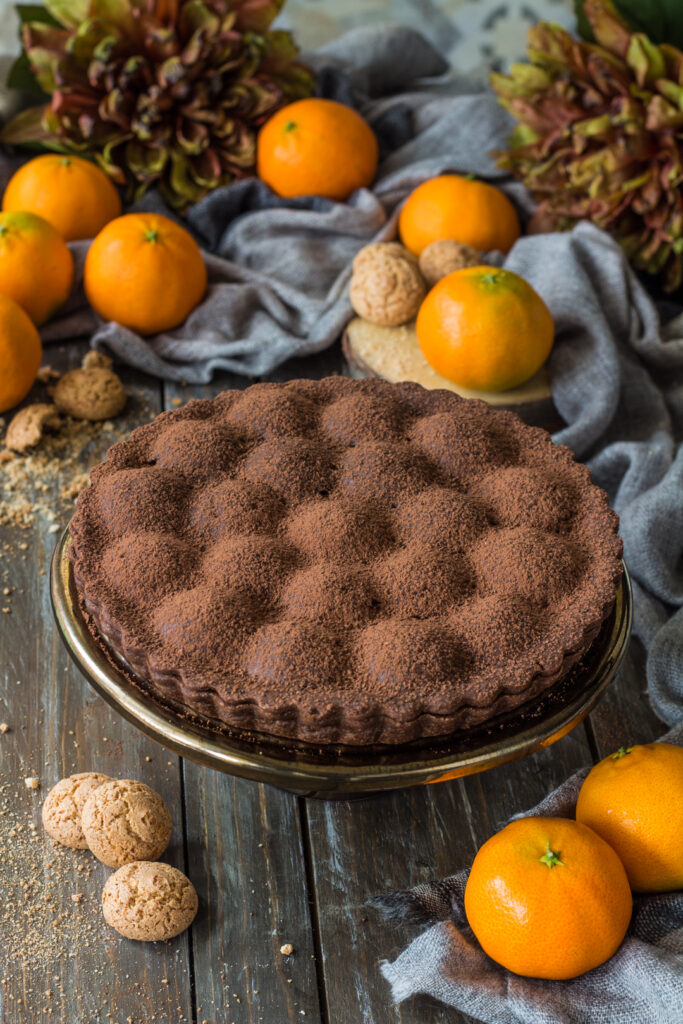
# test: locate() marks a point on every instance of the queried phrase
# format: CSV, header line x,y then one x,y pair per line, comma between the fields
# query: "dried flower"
x,y
601,136
160,92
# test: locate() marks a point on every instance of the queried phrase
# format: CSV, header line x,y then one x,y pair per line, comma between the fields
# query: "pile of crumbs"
x,y
50,913
45,482
35,925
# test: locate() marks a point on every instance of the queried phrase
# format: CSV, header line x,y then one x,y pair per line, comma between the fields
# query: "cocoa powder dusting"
x,y
345,561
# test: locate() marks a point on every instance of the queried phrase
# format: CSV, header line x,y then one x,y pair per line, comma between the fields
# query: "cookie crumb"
x,y
32,782
28,482
93,358
46,374
4,727
287,949
28,425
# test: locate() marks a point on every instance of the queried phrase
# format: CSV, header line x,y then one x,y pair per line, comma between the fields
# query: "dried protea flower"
x,y
166,92
601,136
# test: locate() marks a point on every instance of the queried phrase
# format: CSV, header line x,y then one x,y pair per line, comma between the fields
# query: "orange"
x,y
316,147
548,898
465,210
485,328
72,194
634,800
144,271
36,267
20,353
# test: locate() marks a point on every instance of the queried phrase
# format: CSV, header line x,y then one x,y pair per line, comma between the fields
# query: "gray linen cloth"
x,y
641,984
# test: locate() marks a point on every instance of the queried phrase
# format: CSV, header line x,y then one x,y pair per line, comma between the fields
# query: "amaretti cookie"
x,y
124,820
63,808
149,902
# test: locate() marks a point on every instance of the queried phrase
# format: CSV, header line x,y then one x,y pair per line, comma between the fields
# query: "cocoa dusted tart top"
x,y
343,561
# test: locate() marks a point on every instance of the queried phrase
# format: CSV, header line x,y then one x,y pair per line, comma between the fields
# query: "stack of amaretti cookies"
x,y
127,826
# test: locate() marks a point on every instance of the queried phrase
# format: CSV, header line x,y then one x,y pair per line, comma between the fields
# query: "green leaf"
x,y
116,12
646,60
522,135
672,92
68,13
523,80
26,127
592,126
45,67
256,15
661,20
31,12
22,78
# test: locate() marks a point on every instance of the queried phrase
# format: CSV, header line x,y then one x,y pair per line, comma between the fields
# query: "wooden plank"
x,y
59,726
246,849
246,855
363,847
624,716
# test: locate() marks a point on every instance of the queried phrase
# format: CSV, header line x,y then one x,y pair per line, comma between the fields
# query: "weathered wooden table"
x,y
270,868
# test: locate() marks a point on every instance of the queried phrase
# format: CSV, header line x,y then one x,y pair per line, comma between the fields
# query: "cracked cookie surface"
x,y
63,808
149,902
124,821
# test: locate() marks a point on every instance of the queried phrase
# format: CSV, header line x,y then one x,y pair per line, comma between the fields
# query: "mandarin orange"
x,y
634,800
548,898
144,271
317,147
36,267
73,194
460,208
20,353
485,329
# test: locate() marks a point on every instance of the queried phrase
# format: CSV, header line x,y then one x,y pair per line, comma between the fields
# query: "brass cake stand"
x,y
342,771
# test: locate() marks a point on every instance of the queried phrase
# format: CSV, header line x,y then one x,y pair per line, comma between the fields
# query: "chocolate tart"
x,y
344,562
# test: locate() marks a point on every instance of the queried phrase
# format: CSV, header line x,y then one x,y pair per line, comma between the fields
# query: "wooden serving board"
x,y
393,353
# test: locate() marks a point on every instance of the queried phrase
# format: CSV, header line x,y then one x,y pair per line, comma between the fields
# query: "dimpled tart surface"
x,y
340,561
